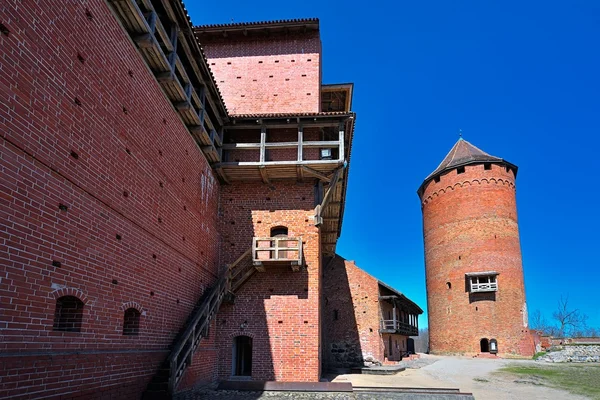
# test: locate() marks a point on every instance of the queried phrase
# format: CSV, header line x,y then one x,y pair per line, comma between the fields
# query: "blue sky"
x,y
522,81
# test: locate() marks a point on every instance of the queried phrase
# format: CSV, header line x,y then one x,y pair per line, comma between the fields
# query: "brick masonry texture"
x,y
354,337
278,308
138,174
279,74
470,225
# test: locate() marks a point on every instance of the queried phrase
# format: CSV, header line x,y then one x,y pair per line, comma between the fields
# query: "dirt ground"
x,y
470,375
473,375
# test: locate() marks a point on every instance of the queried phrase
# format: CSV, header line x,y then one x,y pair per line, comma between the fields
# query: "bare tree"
x,y
422,341
538,322
569,321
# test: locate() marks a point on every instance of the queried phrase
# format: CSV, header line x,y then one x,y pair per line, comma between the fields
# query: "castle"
x,y
475,288
171,199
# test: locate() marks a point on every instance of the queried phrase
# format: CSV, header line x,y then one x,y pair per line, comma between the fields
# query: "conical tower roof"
x,y
464,153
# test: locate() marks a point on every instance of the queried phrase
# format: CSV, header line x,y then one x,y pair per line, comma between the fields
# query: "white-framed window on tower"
x,y
482,281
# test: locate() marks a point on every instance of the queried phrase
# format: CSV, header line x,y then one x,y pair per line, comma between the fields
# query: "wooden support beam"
x,y
173,54
300,142
188,91
319,209
299,169
152,22
183,106
331,188
144,41
264,175
163,77
263,140
342,156
314,173
299,173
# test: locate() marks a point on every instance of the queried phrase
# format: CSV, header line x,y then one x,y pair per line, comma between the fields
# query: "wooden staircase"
x,y
165,381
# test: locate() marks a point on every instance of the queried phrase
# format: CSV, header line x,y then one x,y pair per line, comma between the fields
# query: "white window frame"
x,y
483,281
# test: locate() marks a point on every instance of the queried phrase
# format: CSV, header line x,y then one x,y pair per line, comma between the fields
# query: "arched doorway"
x,y
484,345
242,356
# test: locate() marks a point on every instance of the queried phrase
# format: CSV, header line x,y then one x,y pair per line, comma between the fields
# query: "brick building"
x,y
365,319
474,272
167,209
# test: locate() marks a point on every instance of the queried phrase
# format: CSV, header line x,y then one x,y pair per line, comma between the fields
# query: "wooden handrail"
x,y
275,248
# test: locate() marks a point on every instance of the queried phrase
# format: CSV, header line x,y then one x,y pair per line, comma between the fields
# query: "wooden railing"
x,y
399,326
299,146
484,287
184,349
276,249
197,327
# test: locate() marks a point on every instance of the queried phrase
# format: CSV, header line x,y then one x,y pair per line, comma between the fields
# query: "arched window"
x,y
279,231
68,314
131,322
242,356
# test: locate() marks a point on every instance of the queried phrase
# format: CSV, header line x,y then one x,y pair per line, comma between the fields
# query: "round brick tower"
x,y
475,289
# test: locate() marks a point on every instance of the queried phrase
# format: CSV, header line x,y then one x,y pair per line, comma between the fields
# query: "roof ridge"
x,y
253,23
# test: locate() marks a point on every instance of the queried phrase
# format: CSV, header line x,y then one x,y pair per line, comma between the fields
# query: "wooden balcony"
x,y
483,281
276,148
398,327
276,251
484,287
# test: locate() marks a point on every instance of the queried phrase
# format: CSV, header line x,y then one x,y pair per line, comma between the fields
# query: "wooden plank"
x,y
300,142
315,174
264,175
263,139
291,125
331,163
342,156
145,40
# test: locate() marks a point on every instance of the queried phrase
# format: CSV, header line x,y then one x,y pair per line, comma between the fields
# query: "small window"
x,y
68,314
487,166
460,170
436,179
336,315
448,285
131,322
279,231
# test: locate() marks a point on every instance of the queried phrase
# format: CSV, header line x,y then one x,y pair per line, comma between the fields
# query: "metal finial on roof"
x,y
460,133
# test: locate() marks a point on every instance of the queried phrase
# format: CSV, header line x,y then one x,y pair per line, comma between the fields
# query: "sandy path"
x,y
471,375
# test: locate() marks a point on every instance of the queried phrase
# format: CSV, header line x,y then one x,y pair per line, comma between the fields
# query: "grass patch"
x,y
575,378
538,355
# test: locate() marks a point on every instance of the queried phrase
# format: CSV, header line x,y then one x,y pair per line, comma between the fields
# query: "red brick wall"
x,y
354,337
470,225
279,308
138,174
281,74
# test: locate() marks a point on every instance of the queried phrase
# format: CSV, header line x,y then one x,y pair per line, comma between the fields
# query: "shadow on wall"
x,y
342,347
263,332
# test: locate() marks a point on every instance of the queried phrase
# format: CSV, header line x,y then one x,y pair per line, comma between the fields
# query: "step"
x,y
261,386
379,370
